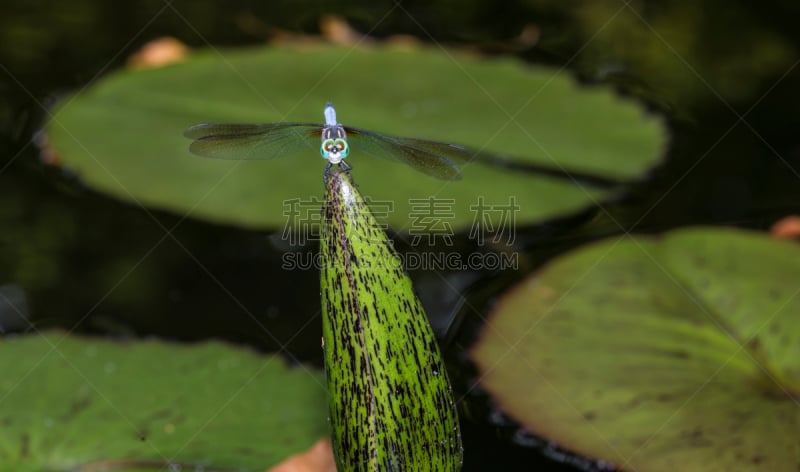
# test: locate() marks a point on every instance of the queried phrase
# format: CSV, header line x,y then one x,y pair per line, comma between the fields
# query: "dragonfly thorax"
x,y
334,146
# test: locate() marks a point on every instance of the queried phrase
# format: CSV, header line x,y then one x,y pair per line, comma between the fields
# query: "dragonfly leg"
x,y
327,174
345,167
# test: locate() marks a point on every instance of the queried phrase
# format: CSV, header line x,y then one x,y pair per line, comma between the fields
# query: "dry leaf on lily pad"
x,y
158,53
657,354
786,228
318,458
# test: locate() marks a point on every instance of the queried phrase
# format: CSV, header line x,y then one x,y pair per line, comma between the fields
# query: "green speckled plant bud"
x,y
391,404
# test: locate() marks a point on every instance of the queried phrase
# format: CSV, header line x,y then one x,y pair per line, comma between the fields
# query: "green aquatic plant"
x,y
391,403
122,136
680,352
78,404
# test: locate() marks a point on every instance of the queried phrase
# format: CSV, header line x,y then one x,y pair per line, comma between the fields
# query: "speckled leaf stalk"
x,y
391,404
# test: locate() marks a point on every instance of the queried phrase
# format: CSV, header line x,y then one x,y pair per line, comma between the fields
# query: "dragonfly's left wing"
x,y
246,141
437,159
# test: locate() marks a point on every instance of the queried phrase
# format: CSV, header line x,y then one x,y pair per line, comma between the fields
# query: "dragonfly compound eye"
x,y
344,148
326,148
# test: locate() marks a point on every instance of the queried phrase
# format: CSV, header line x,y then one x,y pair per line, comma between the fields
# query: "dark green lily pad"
x,y
67,402
124,134
678,353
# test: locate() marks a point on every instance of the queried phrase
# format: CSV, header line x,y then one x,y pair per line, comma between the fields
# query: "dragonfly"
x,y
270,140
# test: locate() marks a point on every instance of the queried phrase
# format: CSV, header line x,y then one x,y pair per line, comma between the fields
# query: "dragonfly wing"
x,y
437,159
246,141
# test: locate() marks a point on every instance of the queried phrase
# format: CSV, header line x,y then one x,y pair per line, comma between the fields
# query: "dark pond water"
x,y
727,84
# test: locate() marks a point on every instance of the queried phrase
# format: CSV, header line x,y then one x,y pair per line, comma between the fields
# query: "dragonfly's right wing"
x,y
437,159
246,141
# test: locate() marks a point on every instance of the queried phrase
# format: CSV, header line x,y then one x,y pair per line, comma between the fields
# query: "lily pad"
x,y
123,135
675,353
70,404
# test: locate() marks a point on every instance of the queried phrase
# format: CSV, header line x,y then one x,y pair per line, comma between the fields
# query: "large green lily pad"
x,y
67,402
675,353
123,135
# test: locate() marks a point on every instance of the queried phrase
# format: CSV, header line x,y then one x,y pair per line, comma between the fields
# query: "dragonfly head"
x,y
334,150
334,144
